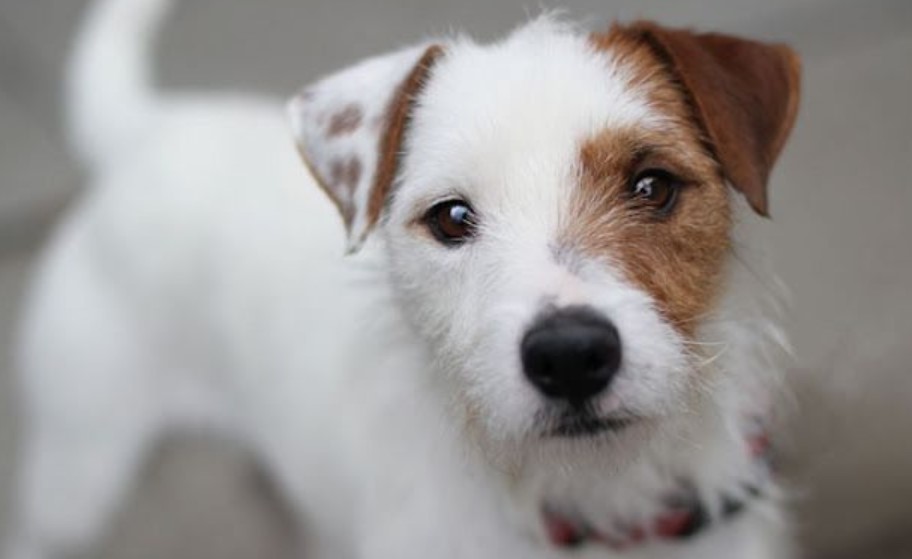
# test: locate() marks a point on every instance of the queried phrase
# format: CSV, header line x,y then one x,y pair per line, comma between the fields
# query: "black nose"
x,y
571,353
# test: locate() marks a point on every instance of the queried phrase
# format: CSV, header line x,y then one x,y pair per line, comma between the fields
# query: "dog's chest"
x,y
457,509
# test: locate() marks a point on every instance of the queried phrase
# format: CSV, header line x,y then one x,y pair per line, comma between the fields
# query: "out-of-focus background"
x,y
841,238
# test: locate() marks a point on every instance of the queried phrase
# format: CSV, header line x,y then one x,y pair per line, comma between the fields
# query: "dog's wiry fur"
x,y
202,282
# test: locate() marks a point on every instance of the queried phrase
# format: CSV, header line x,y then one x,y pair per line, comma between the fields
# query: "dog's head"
x,y
557,207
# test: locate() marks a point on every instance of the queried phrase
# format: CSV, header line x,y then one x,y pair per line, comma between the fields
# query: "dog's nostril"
x,y
571,354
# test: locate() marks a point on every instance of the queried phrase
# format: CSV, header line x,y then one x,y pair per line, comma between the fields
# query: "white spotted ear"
x,y
350,127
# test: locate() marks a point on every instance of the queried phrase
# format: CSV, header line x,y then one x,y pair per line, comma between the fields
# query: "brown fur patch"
x,y
744,95
345,173
343,180
345,121
678,259
397,120
345,207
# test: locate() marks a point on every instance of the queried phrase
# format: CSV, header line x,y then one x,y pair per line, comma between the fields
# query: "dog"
x,y
509,306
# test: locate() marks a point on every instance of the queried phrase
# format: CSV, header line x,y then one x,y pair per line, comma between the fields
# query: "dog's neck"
x,y
701,469
688,505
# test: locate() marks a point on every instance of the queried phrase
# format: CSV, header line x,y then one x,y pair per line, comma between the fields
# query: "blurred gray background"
x,y
840,235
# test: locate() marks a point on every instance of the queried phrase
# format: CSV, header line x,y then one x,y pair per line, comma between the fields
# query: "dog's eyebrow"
x,y
638,153
662,155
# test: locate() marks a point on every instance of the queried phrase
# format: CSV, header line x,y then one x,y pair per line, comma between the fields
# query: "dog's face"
x,y
555,207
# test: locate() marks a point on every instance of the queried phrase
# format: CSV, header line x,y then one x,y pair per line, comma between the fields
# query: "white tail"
x,y
110,96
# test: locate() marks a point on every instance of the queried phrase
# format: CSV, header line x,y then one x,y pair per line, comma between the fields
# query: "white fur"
x,y
104,120
201,282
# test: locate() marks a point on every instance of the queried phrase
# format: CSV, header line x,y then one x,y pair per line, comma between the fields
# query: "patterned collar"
x,y
685,514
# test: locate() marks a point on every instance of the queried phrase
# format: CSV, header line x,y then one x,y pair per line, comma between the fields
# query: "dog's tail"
x,y
109,95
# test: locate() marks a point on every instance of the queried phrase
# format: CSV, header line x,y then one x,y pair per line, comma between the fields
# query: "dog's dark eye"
x,y
657,189
451,222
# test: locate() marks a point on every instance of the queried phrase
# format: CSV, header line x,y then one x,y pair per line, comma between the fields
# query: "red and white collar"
x,y
684,515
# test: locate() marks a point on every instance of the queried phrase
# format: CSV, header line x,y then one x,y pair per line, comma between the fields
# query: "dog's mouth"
x,y
586,424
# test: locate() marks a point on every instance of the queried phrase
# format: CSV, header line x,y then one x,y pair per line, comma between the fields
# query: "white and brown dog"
x,y
548,339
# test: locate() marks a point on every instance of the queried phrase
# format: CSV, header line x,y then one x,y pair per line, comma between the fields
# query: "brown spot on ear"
x,y
345,173
678,259
345,207
340,185
744,93
345,121
398,115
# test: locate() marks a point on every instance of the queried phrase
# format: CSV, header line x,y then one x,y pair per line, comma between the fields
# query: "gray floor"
x,y
840,235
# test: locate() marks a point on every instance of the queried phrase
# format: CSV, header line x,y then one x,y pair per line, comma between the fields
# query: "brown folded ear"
x,y
745,95
350,127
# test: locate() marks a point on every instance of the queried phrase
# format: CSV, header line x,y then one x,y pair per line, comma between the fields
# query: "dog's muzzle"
x,y
571,354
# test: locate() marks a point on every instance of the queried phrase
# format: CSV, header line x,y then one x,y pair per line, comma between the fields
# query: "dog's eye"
x,y
657,189
451,222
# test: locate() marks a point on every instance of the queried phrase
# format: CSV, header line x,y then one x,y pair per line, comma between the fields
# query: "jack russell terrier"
x,y
549,336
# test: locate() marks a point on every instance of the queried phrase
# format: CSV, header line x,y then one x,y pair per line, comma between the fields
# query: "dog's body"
x,y
202,283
